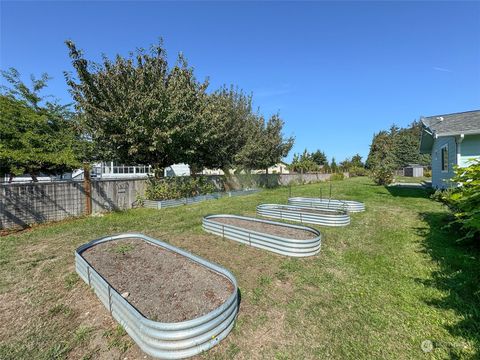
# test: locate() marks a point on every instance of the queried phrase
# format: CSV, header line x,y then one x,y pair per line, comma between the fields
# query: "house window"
x,y
445,158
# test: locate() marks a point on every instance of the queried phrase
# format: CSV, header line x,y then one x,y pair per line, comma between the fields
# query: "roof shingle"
x,y
467,122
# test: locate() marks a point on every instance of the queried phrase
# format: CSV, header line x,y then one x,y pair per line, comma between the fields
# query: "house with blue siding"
x,y
451,139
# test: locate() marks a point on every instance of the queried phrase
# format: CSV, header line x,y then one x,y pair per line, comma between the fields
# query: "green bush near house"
x,y
464,200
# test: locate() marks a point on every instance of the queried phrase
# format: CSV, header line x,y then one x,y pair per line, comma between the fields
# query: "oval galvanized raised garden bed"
x,y
348,205
283,245
309,215
166,340
161,204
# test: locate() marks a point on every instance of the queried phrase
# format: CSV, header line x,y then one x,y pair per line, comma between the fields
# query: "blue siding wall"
x,y
440,178
469,148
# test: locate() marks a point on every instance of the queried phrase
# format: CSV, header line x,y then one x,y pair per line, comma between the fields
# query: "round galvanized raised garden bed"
x,y
348,205
174,340
309,215
284,245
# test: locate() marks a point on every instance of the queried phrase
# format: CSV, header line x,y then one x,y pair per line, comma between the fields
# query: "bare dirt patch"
x,y
162,285
278,230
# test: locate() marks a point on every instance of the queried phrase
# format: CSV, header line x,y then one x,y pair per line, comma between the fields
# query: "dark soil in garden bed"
x,y
278,230
162,285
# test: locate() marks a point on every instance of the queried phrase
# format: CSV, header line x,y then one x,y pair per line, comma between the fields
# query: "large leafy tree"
x,y
266,144
38,134
227,123
137,109
34,142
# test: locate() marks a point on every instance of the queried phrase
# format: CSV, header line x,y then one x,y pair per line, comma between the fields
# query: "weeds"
x,y
70,280
117,338
123,248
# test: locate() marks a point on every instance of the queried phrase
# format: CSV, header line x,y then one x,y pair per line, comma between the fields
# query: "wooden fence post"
x,y
87,186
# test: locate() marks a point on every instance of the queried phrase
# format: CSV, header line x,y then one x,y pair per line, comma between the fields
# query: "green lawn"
x,y
377,289
410,179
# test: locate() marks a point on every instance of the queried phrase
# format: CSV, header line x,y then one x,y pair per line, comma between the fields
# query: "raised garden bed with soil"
x,y
347,205
172,303
309,215
284,239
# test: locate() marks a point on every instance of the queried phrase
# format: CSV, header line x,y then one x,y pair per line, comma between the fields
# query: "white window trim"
x,y
441,159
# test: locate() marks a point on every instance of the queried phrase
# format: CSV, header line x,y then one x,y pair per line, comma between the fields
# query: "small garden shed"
x,y
413,170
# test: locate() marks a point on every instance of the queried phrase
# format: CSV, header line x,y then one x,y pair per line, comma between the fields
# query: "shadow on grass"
x,y
400,191
458,277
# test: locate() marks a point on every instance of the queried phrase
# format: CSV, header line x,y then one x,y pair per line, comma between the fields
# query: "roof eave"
x,y
426,141
456,133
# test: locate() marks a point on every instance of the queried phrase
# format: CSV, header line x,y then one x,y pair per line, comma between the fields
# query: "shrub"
x,y
357,171
464,200
337,176
178,187
382,174
427,173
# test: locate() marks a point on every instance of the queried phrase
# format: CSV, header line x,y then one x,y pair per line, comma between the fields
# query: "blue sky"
x,y
336,72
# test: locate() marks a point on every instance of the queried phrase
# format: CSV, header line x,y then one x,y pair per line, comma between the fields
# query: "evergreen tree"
x,y
319,157
303,163
333,166
357,161
398,147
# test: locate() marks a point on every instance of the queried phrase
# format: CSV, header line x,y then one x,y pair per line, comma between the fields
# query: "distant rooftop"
x,y
467,122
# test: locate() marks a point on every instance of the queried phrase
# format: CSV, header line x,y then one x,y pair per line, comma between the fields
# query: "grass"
x,y
411,179
378,288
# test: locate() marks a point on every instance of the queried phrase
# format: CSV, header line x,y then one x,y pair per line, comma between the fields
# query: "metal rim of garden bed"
x,y
329,217
163,340
348,205
280,245
161,204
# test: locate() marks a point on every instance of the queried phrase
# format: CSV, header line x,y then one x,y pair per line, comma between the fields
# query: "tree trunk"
x,y
227,175
34,177
10,179
158,171
193,171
